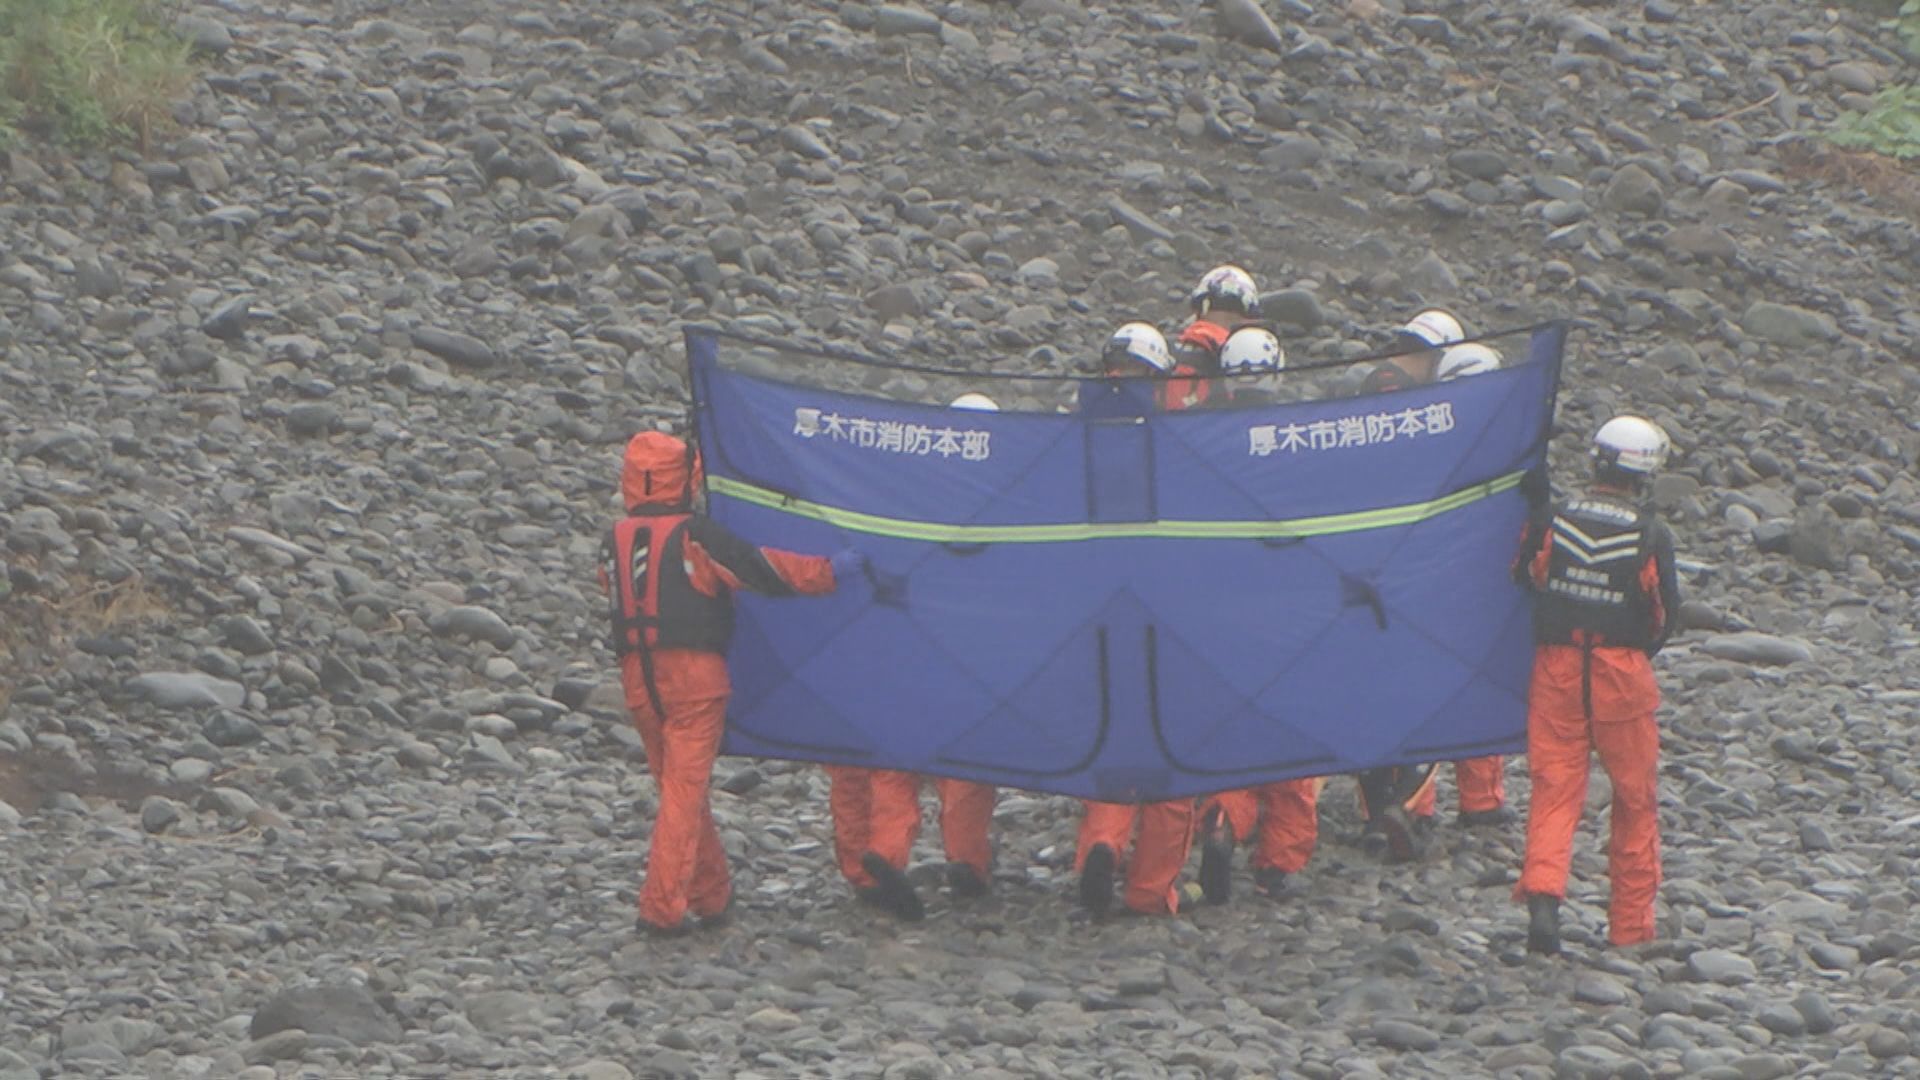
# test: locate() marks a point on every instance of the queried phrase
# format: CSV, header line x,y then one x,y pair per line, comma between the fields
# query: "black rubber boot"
x,y
1216,858
894,892
1403,845
964,881
658,932
1096,880
1482,819
1271,881
1543,924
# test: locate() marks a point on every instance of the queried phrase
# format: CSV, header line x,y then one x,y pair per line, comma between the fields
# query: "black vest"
x,y
1595,549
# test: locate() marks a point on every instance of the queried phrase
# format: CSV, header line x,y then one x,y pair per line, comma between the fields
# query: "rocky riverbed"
x,y
312,408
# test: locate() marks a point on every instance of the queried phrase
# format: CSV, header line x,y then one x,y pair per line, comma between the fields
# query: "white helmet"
x,y
1631,444
1226,288
1252,348
1138,343
1471,358
1435,328
973,400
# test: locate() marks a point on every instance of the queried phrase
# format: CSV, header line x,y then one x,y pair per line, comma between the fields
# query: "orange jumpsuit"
x,y
1165,836
878,811
672,609
1603,577
1287,815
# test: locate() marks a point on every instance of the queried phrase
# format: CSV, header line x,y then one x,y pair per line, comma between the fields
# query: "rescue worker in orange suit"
x,y
1398,802
1225,300
876,818
1160,834
1284,813
1601,571
670,573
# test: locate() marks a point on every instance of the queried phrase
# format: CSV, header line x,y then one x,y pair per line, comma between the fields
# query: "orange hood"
x,y
656,472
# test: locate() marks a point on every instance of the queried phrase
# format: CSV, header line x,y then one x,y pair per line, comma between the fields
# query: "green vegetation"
x,y
89,71
1892,125
1907,24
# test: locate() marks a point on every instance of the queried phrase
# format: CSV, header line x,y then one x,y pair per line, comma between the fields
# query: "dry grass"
x,y
1877,175
37,632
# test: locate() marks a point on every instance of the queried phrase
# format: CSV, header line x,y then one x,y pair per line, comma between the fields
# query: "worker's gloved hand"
x,y
848,563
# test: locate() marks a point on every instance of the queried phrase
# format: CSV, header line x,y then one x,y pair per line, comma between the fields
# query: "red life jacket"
x,y
1196,355
652,602
1186,390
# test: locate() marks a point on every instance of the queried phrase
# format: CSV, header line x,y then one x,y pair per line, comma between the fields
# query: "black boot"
x,y
1481,819
1096,880
965,881
1271,881
893,891
658,932
1216,858
1543,924
1402,841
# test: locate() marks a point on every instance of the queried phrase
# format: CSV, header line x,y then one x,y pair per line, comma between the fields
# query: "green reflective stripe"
x,y
1325,525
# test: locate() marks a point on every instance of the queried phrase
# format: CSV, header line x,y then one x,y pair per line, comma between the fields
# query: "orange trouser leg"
x,y
1105,823
1166,836
850,804
685,857
1289,824
1557,749
1630,752
1241,807
896,816
1482,782
966,815
1424,801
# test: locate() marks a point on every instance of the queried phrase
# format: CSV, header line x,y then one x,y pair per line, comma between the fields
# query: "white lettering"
x,y
893,436
1353,430
1380,428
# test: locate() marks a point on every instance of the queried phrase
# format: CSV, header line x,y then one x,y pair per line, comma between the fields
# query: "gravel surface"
x,y
313,762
